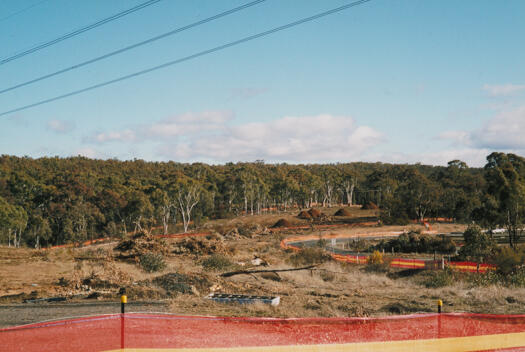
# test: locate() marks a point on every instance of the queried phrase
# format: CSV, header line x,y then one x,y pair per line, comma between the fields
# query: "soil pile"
x,y
201,246
174,283
314,213
282,223
304,215
343,212
370,206
141,243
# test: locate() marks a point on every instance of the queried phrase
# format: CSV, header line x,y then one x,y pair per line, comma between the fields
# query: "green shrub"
x,y
309,256
509,260
478,245
217,262
415,242
441,278
152,262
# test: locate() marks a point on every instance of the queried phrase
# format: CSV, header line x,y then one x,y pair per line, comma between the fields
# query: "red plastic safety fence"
x,y
404,263
472,267
424,332
407,263
108,239
354,259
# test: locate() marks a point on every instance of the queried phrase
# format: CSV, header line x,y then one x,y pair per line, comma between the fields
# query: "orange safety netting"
x,y
424,332
405,263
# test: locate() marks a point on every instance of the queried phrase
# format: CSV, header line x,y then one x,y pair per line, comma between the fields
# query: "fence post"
x,y
123,301
439,304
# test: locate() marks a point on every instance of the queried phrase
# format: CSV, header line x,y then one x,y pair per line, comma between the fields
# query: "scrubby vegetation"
x,y
309,256
414,242
217,262
152,262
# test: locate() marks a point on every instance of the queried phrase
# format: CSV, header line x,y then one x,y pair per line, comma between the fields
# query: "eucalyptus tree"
x,y
505,175
188,193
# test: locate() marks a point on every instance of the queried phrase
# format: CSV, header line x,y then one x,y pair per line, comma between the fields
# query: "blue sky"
x,y
390,80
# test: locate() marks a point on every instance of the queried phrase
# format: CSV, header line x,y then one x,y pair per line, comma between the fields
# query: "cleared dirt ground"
x,y
91,278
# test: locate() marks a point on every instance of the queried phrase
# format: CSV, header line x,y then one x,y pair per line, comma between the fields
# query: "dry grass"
x,y
332,289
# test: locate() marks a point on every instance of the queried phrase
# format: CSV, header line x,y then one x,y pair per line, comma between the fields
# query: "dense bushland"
x,y
51,201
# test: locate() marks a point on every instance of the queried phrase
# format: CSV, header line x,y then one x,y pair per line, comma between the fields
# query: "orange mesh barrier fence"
x,y
471,267
132,331
404,263
354,259
109,239
408,263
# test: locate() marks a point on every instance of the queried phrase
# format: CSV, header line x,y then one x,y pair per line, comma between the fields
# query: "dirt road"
x,y
19,314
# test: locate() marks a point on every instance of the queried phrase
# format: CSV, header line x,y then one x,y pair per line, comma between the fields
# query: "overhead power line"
x,y
190,57
133,46
2,19
79,31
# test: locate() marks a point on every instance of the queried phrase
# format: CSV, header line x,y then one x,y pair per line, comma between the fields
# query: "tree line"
x,y
50,201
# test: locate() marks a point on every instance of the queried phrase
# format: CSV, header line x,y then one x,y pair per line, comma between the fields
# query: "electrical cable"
x,y
21,11
78,31
133,46
190,57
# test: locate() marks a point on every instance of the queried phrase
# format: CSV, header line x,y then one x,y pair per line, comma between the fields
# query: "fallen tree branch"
x,y
248,272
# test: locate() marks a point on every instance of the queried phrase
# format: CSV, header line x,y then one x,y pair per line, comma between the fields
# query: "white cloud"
x,y
87,152
457,137
321,138
127,135
503,89
189,123
505,131
60,126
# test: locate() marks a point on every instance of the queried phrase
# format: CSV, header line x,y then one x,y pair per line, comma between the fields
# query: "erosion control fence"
x,y
132,331
294,243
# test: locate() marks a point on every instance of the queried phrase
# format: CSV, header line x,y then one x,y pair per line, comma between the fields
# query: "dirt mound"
x,y
370,206
304,215
314,213
282,223
174,283
142,242
199,246
343,212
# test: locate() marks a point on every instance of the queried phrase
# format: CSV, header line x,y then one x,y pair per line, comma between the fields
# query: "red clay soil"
x,y
343,212
314,213
370,206
283,223
304,215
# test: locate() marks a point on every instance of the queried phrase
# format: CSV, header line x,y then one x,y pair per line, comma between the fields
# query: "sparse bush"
x,y
321,243
415,242
478,245
309,256
441,278
217,262
510,261
152,262
376,263
488,278
327,276
375,258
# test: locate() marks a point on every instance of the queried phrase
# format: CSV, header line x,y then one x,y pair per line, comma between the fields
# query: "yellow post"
x,y
123,301
440,304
